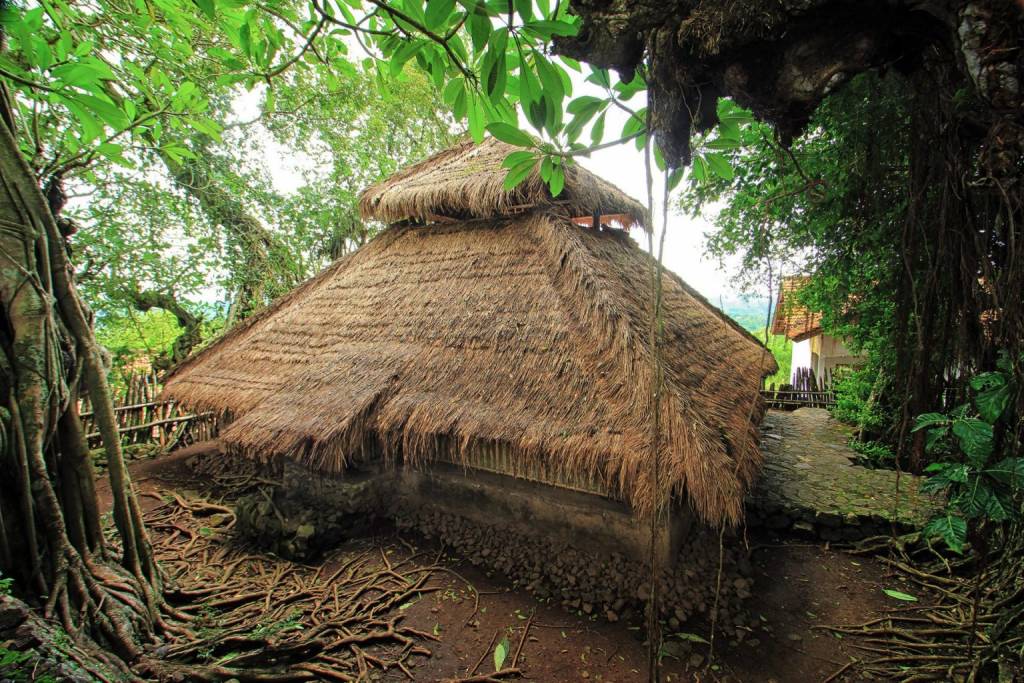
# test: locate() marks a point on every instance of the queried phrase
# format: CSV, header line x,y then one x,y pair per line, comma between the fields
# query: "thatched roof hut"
x,y
791,317
483,318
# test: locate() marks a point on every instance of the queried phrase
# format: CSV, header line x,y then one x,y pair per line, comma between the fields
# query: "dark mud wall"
x,y
574,549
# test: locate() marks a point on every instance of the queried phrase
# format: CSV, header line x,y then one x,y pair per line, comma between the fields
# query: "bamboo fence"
x,y
144,419
806,391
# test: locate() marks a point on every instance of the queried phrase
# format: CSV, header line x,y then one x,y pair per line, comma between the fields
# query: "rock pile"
x,y
610,587
304,517
131,452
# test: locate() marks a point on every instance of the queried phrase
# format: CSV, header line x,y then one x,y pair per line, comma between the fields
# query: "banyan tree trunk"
x,y
50,537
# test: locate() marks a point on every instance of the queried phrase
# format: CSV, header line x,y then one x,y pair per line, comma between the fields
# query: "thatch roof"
x,y
528,331
466,181
791,317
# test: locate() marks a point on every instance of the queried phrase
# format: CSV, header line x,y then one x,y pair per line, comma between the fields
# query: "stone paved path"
x,y
810,483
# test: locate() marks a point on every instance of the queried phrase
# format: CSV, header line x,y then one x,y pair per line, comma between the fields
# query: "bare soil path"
x,y
798,587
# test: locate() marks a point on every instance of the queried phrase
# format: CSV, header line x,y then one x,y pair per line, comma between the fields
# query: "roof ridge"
x,y
468,181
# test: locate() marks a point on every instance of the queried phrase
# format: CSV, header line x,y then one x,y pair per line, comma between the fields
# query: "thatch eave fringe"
x,y
528,332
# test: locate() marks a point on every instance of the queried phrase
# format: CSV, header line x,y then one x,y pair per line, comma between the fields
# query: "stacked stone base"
x,y
612,587
586,577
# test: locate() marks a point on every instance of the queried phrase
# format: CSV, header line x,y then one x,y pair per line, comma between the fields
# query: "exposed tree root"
x,y
243,615
970,629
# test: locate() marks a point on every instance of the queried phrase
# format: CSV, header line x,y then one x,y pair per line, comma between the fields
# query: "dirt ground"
x,y
798,587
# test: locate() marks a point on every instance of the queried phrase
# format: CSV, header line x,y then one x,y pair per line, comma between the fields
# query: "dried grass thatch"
x,y
791,317
528,331
466,181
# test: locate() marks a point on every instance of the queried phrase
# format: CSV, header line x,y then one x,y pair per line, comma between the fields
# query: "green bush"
x,y
782,349
981,471
854,404
873,454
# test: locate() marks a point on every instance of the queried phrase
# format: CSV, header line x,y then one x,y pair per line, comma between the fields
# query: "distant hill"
x,y
751,314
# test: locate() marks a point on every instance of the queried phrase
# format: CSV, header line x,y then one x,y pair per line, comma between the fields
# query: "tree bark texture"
x,y
49,521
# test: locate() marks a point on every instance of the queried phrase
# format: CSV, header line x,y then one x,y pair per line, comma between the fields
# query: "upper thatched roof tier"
x,y
466,181
527,331
791,317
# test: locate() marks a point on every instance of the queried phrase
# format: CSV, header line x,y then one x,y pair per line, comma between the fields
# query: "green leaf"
x,y
517,175
600,77
105,109
976,439
529,86
729,130
452,90
524,8
700,169
517,158
659,159
597,132
206,126
494,68
929,419
634,124
585,103
509,134
208,7
692,637
408,50
477,118
993,397
628,90
438,13
545,169
82,74
1008,471
479,30
84,48
675,177
500,653
459,106
898,595
997,508
934,438
545,30
91,127
557,180
951,529
550,80
988,380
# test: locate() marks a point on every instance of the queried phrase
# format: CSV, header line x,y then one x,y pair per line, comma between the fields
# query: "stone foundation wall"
x,y
611,586
584,552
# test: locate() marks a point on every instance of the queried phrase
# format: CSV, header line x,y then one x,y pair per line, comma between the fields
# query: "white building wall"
x,y
801,357
834,353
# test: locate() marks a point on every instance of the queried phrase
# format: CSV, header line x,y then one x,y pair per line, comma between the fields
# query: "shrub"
x,y
854,403
981,471
873,454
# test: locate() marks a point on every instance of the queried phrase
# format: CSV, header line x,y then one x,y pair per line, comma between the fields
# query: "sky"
x,y
622,165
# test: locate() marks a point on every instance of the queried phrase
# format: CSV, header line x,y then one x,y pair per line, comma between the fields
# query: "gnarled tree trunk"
x,y
50,529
